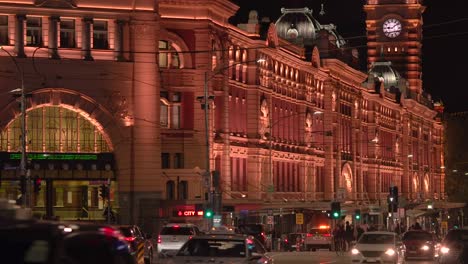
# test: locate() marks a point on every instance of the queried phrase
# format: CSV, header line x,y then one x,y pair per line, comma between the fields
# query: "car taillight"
x,y
310,235
159,240
190,237
326,235
130,239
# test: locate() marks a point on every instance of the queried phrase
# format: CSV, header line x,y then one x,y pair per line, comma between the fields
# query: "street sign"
x,y
217,220
299,218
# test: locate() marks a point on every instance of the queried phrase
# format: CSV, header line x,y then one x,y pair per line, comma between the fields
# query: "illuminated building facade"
x,y
293,123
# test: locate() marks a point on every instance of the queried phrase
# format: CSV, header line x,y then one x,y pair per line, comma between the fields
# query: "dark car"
x,y
420,244
140,243
255,230
60,243
293,240
454,247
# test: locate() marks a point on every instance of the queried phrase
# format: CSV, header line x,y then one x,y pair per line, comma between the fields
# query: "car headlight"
x,y
444,250
425,247
354,251
390,252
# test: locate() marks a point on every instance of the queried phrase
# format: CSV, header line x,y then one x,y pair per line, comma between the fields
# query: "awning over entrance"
x,y
441,205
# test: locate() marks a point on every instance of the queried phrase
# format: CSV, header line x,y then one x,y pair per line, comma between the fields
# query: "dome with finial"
x,y
297,25
382,73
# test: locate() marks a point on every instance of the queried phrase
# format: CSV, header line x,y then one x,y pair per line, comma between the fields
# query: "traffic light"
x,y
394,194
357,214
335,210
104,191
37,184
393,199
208,213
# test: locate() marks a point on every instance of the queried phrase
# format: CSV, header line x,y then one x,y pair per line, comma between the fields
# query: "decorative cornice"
x,y
56,3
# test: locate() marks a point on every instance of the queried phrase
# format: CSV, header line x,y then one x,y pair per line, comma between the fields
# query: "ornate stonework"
x,y
264,118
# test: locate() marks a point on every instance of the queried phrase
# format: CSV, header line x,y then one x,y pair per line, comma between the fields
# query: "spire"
x,y
322,10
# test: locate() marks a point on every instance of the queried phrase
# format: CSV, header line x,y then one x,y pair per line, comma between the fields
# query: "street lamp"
x,y
205,101
23,173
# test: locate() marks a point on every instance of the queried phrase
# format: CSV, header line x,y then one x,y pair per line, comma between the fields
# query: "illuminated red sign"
x,y
188,213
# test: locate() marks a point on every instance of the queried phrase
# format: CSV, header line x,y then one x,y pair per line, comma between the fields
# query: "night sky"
x,y
445,39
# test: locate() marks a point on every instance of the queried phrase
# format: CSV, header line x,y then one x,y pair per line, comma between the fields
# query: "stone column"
x,y
86,39
19,36
53,37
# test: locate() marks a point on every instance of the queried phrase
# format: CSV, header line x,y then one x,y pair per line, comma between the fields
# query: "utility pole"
x,y
24,173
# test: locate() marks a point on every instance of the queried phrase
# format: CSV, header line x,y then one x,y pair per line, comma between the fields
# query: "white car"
x,y
378,247
221,248
173,236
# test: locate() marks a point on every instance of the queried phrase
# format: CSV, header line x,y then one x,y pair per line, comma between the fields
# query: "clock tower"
x,y
394,33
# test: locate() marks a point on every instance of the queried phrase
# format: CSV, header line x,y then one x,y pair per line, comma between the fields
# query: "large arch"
x,y
75,101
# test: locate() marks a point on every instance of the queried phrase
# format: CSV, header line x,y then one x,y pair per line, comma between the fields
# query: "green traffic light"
x,y
208,214
336,214
358,217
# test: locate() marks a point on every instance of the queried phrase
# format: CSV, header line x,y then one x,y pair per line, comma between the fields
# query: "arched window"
x,y
170,190
168,56
55,129
183,190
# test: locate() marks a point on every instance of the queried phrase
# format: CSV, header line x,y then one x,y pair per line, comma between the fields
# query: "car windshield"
x,y
177,231
126,231
214,248
320,231
377,239
417,236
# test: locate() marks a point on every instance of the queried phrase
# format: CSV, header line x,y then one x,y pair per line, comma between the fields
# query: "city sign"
x,y
187,213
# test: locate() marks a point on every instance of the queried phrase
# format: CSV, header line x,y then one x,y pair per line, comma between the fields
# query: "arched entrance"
x,y
67,149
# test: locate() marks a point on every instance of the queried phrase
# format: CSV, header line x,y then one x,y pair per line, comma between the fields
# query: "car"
x,y
255,230
44,242
379,247
318,237
454,247
292,241
140,243
420,244
222,248
172,236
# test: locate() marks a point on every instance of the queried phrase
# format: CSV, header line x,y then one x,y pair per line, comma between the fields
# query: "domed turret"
x,y
297,25
382,73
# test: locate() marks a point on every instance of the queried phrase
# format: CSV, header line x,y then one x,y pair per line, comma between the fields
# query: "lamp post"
x,y
26,201
213,195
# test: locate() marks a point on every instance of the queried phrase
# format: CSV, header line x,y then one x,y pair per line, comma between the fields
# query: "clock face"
x,y
392,28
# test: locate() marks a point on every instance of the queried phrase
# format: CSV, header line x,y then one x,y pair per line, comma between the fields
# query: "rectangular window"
x,y
175,120
163,47
100,38
4,30
179,161
34,31
165,161
67,33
